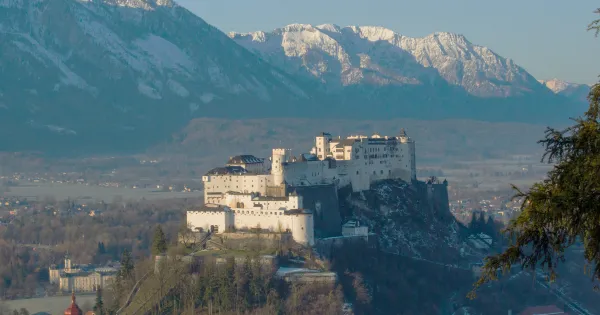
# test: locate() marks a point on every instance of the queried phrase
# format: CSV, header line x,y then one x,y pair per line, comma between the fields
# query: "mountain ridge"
x,y
477,69
576,91
124,75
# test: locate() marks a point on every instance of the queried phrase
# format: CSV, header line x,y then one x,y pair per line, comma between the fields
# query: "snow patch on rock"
x,y
148,91
32,47
164,54
177,88
60,130
207,97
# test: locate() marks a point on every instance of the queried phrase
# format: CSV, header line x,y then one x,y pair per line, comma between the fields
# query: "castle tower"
x,y
322,145
68,265
277,166
73,309
404,138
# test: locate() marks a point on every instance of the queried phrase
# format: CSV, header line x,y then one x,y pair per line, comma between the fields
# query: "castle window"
x,y
356,172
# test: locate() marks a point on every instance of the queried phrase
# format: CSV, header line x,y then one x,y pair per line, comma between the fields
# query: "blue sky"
x,y
546,37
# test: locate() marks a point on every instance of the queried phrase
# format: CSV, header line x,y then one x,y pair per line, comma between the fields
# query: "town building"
x,y
354,228
81,278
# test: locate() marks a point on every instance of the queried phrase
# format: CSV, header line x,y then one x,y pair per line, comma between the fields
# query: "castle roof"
x,y
244,159
297,211
345,142
308,157
227,170
270,198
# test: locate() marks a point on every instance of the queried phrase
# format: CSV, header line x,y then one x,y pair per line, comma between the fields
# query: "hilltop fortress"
x,y
249,192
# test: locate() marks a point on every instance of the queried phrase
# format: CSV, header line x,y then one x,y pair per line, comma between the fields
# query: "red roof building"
x,y
543,310
74,308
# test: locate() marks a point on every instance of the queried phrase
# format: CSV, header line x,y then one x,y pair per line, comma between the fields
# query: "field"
x,y
493,174
84,193
52,305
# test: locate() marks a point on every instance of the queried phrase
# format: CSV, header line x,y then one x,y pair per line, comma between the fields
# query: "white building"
x,y
356,160
249,211
353,228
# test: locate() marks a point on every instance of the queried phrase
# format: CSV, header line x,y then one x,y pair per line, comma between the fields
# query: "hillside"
x,y
121,74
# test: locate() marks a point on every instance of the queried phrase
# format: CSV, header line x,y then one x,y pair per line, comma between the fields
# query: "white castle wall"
x,y
223,220
363,163
217,185
359,160
303,228
309,173
300,224
248,201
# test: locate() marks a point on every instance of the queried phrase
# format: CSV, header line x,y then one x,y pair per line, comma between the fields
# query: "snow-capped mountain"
x,y
367,55
574,91
92,67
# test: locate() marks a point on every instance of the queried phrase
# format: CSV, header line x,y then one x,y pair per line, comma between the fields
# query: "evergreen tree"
x,y
159,243
99,305
491,228
562,209
244,284
274,304
595,25
127,268
226,285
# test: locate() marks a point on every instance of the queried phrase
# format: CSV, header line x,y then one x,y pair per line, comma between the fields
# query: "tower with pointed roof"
x,y
73,309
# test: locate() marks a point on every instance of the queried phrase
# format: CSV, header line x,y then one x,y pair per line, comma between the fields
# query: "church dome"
x,y
74,308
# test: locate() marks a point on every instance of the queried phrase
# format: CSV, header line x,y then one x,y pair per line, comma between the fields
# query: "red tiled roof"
x,y
74,308
543,310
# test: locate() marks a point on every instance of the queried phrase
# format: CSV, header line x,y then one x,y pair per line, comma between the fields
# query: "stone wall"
x,y
323,201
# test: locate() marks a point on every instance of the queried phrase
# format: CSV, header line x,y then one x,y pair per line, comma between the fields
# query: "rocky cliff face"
x,y
411,220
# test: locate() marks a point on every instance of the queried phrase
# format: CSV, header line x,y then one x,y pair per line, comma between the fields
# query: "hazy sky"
x,y
546,37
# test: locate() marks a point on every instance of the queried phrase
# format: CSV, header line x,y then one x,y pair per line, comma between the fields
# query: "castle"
x,y
248,193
